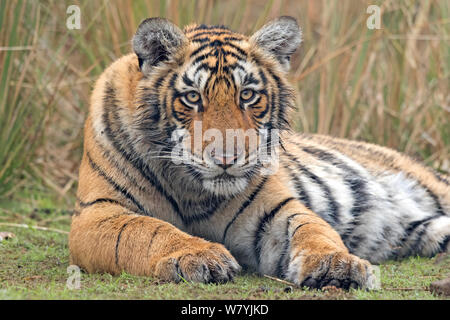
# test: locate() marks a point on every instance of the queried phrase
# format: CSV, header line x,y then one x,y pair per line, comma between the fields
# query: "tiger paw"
x,y
340,269
214,264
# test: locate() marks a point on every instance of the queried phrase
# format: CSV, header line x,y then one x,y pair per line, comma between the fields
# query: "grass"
x,y
386,86
22,110
33,265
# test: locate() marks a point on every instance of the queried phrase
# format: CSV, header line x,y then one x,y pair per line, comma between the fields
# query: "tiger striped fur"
x,y
331,204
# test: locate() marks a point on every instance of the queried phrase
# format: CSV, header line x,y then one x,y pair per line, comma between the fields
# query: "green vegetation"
x,y
33,265
387,86
23,109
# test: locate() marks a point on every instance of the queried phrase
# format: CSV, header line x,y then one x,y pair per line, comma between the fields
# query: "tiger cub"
x,y
307,208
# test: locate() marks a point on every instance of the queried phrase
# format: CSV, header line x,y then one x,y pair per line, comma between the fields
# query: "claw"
x,y
310,283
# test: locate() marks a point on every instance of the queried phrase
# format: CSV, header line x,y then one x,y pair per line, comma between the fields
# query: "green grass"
x,y
387,86
33,265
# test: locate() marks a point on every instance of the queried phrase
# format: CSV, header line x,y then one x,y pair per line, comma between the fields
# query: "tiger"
x,y
320,212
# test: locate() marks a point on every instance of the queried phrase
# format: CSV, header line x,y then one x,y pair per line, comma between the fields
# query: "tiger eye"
x,y
193,97
247,94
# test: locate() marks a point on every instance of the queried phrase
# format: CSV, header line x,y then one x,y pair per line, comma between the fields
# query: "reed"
x,y
23,108
388,86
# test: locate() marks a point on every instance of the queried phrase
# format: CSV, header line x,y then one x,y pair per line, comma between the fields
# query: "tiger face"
x,y
213,101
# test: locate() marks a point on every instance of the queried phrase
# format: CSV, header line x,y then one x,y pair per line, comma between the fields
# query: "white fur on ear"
x,y
155,41
280,37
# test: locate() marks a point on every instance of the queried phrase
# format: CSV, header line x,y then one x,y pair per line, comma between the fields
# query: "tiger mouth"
x,y
223,178
225,184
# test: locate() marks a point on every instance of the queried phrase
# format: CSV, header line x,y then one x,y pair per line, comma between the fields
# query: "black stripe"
x,y
216,43
136,161
211,33
263,223
199,68
201,40
444,243
300,189
419,241
187,81
247,203
199,49
236,65
262,76
172,80
279,105
363,150
101,222
150,114
412,227
180,116
235,47
271,107
159,82
214,203
359,185
352,179
119,237
227,82
232,39
141,62
198,36
333,206
116,186
207,27
436,201
299,226
200,59
124,171
154,234
440,177
250,79
239,54
251,105
282,264
99,200
262,113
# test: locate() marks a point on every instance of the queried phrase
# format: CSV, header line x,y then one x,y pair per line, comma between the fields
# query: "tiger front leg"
x,y
107,238
299,246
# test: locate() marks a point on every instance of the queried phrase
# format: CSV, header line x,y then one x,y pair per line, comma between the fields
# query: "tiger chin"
x,y
330,206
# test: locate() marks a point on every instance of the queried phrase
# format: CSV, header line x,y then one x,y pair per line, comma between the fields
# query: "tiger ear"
x,y
280,38
156,40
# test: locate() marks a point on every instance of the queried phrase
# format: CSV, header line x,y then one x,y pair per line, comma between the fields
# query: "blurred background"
x,y
388,86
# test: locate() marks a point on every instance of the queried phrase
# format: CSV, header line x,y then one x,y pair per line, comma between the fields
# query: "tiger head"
x,y
216,95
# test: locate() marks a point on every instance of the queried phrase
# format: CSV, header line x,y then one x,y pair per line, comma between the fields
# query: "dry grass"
x,y
22,112
387,86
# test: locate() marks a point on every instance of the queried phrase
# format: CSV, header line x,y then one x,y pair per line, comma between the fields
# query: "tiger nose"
x,y
224,160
